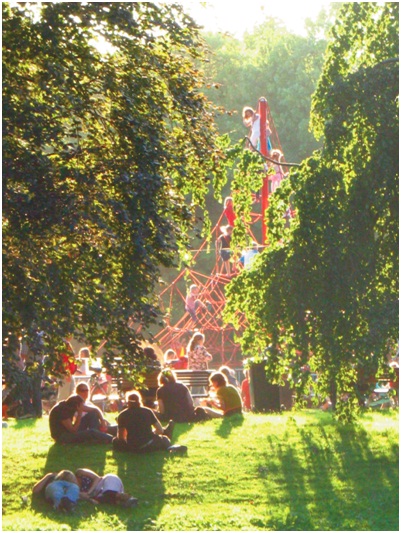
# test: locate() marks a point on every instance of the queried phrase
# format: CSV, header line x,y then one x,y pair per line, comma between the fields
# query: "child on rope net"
x,y
251,120
275,180
192,302
223,247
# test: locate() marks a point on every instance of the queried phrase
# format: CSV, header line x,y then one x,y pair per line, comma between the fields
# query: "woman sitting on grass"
x,y
175,401
60,490
103,489
227,402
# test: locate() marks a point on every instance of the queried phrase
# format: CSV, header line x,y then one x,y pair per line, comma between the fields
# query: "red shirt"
x,y
246,396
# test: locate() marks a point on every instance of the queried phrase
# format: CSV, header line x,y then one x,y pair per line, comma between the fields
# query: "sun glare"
x,y
238,17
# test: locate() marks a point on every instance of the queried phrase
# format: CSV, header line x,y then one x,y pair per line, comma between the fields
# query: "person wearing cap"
x,y
139,430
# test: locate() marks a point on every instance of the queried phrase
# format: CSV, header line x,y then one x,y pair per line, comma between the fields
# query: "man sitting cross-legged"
x,y
92,416
64,420
135,429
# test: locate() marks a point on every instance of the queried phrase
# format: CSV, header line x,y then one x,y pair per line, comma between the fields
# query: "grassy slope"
x,y
294,471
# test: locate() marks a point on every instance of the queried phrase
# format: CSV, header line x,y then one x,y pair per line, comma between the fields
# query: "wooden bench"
x,y
195,378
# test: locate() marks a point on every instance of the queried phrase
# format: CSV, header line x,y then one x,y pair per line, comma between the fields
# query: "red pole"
x,y
263,148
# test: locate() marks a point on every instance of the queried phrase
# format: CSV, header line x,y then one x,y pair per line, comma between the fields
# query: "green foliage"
x,y
105,156
324,295
293,471
276,64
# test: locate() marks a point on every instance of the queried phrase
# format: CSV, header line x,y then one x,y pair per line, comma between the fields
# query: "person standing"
x,y
223,247
198,356
251,120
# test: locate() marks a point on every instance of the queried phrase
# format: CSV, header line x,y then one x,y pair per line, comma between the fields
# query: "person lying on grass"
x,y
227,401
103,489
60,489
135,429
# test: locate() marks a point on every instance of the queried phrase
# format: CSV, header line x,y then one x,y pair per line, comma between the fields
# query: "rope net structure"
x,y
220,338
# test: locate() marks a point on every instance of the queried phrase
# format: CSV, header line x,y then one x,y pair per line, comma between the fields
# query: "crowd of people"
x,y
139,428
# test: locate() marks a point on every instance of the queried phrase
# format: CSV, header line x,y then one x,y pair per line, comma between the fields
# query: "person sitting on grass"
x,y
228,400
65,419
92,416
135,429
61,490
103,489
175,401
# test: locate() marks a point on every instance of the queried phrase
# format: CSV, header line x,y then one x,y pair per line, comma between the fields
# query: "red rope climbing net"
x,y
220,338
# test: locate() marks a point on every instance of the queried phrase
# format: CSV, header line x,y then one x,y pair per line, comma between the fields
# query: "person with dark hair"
x,y
153,367
228,400
92,416
59,489
223,248
175,401
103,489
140,431
230,375
65,419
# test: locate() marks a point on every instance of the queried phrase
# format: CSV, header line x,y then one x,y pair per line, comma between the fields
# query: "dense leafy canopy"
x,y
105,153
324,296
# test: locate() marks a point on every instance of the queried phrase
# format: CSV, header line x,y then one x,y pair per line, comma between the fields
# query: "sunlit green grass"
x,y
291,471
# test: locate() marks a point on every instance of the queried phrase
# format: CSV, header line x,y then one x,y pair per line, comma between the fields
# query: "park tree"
x,y
323,297
108,144
273,62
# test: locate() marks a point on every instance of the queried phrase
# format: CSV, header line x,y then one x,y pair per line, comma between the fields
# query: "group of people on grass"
x,y
138,430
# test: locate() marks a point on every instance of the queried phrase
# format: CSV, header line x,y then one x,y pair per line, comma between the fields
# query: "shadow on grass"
x,y
25,423
227,425
142,476
351,482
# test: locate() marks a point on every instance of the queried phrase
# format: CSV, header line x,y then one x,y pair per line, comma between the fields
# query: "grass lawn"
x,y
290,471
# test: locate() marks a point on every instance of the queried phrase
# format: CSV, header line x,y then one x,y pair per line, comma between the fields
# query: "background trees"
x,y
274,63
324,295
103,155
